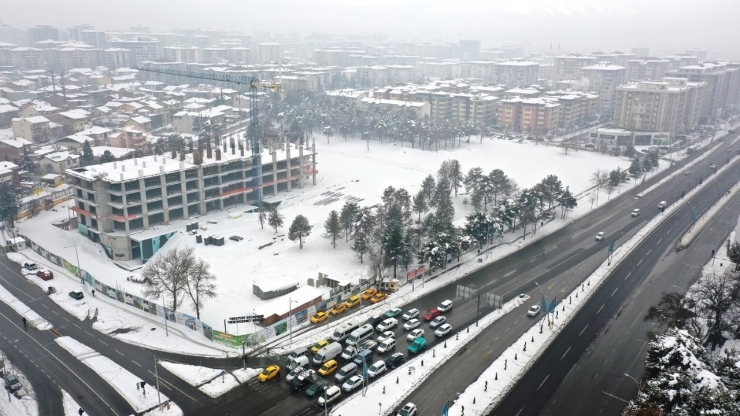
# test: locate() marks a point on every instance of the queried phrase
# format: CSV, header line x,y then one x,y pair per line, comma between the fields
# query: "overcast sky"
x,y
666,26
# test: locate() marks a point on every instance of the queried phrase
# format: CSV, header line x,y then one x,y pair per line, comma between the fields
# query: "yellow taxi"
x,y
269,372
338,308
369,293
354,300
319,317
319,345
328,367
378,297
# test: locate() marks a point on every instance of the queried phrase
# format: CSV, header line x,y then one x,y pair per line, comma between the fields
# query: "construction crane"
x,y
254,85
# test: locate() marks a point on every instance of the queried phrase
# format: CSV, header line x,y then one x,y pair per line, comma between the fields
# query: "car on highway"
x,y
409,409
686,172
376,369
416,333
443,330
662,204
319,317
387,324
386,346
319,345
328,367
369,293
411,324
386,335
338,308
353,300
410,314
379,297
12,383
269,372
418,345
636,212
294,373
352,384
600,236
315,390
431,314
395,360
393,313
712,165
437,321
445,306
302,381
76,295
534,310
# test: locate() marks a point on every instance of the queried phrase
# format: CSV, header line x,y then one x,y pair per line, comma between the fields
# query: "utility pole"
x,y
156,374
166,331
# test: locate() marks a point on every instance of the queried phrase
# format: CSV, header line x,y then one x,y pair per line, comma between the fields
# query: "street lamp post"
x,y
82,280
633,379
290,313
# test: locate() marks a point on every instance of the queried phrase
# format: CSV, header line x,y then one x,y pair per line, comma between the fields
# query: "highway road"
x,y
558,262
534,390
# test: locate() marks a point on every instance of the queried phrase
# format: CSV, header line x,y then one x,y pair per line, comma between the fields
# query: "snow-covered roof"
x,y
79,138
16,142
126,170
141,119
117,152
302,295
96,130
37,119
603,67
273,284
517,63
60,156
4,108
76,114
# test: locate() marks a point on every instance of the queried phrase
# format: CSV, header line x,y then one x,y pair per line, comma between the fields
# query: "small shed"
x,y
53,179
16,244
274,287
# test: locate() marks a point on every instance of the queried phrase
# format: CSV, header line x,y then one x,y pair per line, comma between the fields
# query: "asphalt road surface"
x,y
535,389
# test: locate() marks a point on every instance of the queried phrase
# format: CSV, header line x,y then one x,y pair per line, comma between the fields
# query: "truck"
x,y
351,351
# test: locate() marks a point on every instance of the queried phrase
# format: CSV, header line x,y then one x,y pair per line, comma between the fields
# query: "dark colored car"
x,y
395,360
76,295
375,320
236,238
30,266
300,383
315,390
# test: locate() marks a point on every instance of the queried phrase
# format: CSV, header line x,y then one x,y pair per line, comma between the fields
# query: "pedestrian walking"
x,y
25,323
93,292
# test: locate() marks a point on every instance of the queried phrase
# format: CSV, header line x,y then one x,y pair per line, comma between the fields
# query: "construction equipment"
x,y
254,85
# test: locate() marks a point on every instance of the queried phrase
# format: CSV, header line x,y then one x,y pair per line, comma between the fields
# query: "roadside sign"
x,y
247,318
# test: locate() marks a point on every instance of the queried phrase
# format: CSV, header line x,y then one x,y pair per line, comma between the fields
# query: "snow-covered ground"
x,y
347,170
34,319
124,382
127,324
23,402
211,381
71,408
394,394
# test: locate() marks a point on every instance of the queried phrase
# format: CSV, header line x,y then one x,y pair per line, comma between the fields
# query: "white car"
x,y
534,310
413,313
636,212
600,236
352,384
386,336
387,324
408,410
712,165
413,323
294,373
387,345
443,330
662,204
437,321
445,306
376,369
416,333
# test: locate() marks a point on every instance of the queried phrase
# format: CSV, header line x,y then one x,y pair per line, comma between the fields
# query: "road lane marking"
x,y
103,343
638,263
660,240
136,363
628,275
520,410
615,291
124,355
543,382
597,312
566,351
648,251
90,334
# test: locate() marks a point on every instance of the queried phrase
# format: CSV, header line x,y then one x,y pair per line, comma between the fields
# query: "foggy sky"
x,y
666,26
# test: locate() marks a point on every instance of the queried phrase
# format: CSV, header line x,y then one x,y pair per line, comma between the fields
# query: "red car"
x,y
431,314
45,274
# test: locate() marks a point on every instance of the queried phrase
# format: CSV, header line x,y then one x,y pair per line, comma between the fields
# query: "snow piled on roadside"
x,y
22,402
211,381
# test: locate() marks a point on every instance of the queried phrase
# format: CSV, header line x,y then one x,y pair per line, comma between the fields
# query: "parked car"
x,y
376,369
352,384
662,204
409,409
445,306
443,330
410,314
437,321
431,314
369,293
387,324
686,172
379,297
269,372
393,313
600,236
354,300
30,266
534,310
76,295
12,383
386,335
330,395
411,324
319,317
712,165
416,333
338,308
395,360
44,274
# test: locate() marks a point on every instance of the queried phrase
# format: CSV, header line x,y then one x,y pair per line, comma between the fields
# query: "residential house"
x,y
128,137
100,134
58,162
7,114
73,121
140,123
76,141
35,129
11,149
9,174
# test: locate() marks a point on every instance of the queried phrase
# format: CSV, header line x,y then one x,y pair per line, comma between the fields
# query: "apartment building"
x,y
570,66
577,107
239,55
186,54
722,86
516,73
131,206
420,109
604,80
439,70
641,52
652,106
268,52
25,57
538,116
34,129
142,48
648,69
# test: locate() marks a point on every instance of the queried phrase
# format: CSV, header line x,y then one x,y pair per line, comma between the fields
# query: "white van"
x,y
327,353
360,334
301,361
344,330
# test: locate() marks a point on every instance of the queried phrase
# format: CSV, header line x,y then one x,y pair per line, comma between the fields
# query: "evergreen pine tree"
x,y
427,187
10,204
445,210
25,162
348,216
299,229
87,158
276,219
362,245
456,175
635,167
420,203
107,157
477,226
333,227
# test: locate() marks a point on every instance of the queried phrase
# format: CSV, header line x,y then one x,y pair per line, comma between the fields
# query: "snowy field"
x,y
348,170
211,381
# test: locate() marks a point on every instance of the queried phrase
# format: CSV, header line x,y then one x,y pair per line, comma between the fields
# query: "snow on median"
x,y
124,382
211,381
34,319
411,374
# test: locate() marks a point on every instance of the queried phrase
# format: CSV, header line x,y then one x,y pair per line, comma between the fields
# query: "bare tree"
x,y
261,217
167,275
200,286
599,178
674,310
715,297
